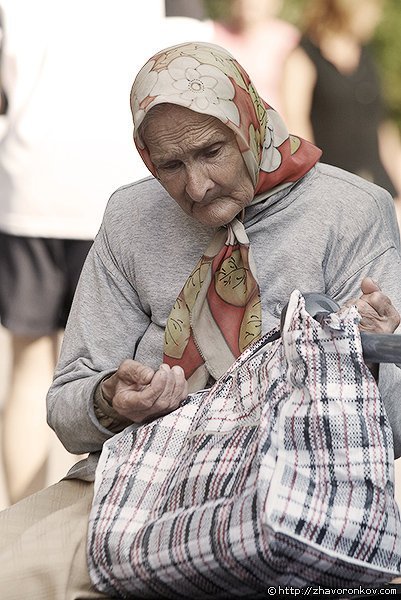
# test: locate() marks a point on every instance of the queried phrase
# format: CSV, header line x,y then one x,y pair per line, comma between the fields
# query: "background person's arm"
x,y
298,82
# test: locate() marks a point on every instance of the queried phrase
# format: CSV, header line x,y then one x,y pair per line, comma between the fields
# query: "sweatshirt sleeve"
x,y
375,252
105,325
386,271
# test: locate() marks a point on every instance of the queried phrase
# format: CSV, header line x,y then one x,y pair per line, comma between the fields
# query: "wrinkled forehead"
x,y
171,121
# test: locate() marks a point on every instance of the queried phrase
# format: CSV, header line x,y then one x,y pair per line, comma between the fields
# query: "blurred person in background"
x,y
67,68
252,32
332,93
260,40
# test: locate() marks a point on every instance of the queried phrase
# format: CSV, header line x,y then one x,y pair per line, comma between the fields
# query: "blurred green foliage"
x,y
216,9
386,44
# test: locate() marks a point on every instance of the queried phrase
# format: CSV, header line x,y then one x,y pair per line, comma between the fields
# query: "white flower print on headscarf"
x,y
200,87
276,134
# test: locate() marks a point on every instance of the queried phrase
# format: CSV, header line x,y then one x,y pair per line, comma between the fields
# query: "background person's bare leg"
x,y
4,378
26,435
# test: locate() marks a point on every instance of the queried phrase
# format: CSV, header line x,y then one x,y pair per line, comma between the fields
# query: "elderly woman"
x,y
190,266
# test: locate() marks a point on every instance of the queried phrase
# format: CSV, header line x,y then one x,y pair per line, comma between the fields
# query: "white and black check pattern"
x,y
282,473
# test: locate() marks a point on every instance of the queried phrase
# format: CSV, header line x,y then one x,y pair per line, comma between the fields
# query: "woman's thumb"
x,y
368,285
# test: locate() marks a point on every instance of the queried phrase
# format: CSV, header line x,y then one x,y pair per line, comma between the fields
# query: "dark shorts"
x,y
38,277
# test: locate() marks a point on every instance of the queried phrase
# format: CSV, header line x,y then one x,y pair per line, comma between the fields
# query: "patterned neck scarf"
x,y
218,311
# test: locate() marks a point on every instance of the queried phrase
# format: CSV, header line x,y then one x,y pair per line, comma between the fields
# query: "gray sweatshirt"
x,y
324,234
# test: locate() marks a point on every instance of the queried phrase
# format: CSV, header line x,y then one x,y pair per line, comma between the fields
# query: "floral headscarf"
x,y
218,311
205,78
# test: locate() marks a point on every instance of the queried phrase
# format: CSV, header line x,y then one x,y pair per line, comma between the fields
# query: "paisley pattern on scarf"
x,y
218,312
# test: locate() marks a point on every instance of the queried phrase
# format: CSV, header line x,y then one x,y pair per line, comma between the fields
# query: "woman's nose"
x,y
198,182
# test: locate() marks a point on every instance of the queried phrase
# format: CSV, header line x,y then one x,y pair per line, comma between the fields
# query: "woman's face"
x,y
363,16
250,12
198,162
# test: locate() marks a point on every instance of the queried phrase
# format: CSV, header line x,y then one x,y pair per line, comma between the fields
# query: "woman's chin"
x,y
215,216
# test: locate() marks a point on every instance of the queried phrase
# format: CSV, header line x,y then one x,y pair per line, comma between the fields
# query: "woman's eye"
x,y
173,166
212,152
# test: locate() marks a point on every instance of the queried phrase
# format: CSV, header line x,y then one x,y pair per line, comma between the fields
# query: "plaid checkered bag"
x,y
282,473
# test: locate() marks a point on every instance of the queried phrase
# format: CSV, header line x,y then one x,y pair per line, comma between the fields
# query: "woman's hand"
x,y
376,309
140,394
